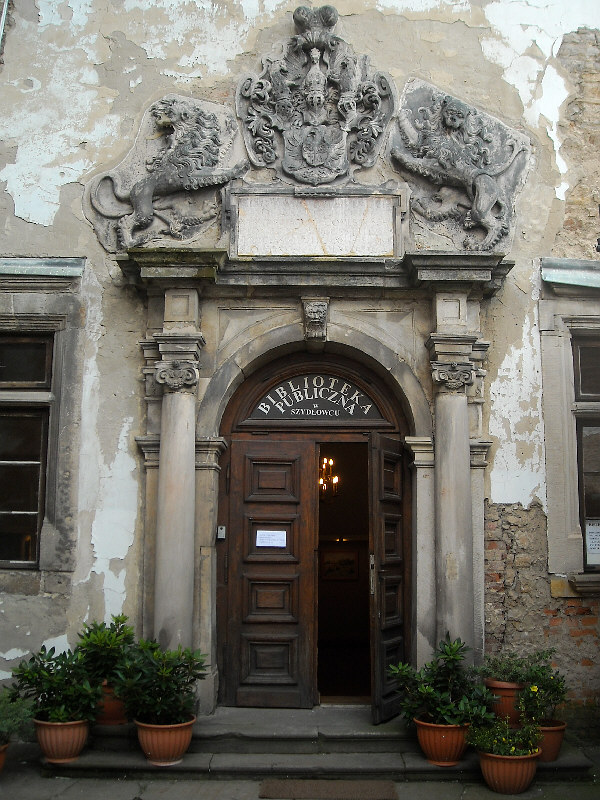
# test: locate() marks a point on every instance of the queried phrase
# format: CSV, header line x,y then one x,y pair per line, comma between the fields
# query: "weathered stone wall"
x,y
77,78
579,55
520,612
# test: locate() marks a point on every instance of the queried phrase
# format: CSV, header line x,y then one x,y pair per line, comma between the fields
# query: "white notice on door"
x,y
270,539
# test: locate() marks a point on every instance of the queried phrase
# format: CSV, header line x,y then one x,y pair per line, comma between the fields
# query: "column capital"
x,y
422,450
479,449
176,375
180,352
453,376
208,450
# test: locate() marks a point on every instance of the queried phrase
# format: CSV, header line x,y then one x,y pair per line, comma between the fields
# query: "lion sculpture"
x,y
450,145
187,159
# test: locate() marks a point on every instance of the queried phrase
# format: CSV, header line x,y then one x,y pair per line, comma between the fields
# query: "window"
x,y
586,368
569,319
25,407
41,319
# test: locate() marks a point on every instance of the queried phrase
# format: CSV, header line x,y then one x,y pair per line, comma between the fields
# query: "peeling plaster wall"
x,y
76,80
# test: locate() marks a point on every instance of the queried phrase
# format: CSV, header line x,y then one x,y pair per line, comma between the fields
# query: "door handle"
x,y
372,573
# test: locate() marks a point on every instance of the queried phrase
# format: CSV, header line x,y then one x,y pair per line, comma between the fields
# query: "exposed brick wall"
x,y
521,613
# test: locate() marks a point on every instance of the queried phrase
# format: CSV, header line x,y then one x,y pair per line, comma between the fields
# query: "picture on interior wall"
x,y
339,565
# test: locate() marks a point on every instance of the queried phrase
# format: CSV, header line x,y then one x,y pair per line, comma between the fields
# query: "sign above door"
x,y
316,396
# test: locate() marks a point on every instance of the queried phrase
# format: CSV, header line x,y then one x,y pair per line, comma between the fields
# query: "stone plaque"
x,y
316,396
365,224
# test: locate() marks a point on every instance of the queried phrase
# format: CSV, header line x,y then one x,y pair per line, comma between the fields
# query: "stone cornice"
x,y
585,583
40,274
484,272
170,266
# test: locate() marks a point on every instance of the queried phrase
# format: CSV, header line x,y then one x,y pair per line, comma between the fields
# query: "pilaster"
x,y
423,576
208,452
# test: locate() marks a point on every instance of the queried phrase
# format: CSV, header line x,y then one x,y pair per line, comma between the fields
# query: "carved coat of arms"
x,y
318,110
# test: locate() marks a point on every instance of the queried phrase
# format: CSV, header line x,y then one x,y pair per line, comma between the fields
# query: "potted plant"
x,y
505,675
63,701
159,690
15,720
104,647
507,754
538,701
442,698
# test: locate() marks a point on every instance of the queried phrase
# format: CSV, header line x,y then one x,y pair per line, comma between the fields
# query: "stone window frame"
x,y
40,296
569,307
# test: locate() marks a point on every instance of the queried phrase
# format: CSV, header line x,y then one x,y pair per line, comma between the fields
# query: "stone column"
x,y
454,518
179,346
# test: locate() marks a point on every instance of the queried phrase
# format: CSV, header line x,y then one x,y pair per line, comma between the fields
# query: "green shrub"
x,y
443,691
58,685
158,686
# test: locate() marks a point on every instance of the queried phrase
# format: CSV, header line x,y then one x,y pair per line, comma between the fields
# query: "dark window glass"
x,y
589,487
586,357
25,362
20,436
23,444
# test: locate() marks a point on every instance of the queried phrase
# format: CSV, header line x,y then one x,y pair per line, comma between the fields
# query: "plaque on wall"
x,y
592,538
316,396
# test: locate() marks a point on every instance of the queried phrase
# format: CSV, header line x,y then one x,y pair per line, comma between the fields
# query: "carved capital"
x,y
176,375
315,319
452,376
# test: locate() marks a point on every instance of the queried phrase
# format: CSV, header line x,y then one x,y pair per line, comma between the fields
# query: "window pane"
x,y
591,448
592,496
589,369
589,442
19,487
25,361
18,537
21,435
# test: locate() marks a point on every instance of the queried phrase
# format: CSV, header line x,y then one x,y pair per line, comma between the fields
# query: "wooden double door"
x,y
268,568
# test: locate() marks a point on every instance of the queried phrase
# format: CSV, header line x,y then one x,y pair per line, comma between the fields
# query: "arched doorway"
x,y
313,589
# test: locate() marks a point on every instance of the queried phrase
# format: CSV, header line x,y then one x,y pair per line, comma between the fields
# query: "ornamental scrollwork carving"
x,y
164,186
317,110
453,375
177,375
475,164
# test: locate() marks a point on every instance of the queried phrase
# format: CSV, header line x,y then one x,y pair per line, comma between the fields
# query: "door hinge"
x,y
372,573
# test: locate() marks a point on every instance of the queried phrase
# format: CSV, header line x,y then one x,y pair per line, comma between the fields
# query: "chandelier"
x,y
328,480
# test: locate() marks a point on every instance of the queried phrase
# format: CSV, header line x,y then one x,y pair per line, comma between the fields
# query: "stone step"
x,y
325,729
406,766
324,742
124,738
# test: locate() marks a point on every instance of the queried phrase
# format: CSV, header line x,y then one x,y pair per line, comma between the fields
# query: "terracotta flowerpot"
x,y
164,745
3,749
61,742
443,745
508,774
508,695
553,733
111,708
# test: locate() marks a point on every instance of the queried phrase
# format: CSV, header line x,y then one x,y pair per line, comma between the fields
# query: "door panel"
x,y
268,658
389,567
